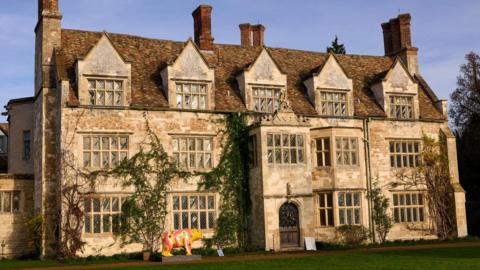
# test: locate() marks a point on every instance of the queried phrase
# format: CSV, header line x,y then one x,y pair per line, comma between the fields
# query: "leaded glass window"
x,y
191,96
408,207
193,152
284,148
266,99
323,152
401,107
333,103
346,151
104,151
10,201
193,211
349,208
103,92
404,154
102,214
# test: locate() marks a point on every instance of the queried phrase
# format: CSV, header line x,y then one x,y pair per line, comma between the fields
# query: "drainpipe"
x,y
368,174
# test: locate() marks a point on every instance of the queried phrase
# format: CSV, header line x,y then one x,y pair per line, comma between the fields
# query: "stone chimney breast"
x,y
252,35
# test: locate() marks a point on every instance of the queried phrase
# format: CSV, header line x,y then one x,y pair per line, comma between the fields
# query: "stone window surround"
x,y
281,148
417,208
327,210
333,133
335,205
414,154
249,99
412,97
171,91
107,79
351,151
207,210
12,205
84,95
101,135
324,151
190,94
101,197
27,148
203,137
274,97
342,92
353,207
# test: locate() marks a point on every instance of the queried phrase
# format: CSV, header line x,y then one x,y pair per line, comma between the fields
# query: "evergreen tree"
x,y
336,47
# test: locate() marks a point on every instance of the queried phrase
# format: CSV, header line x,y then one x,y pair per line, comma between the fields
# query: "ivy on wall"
x,y
230,179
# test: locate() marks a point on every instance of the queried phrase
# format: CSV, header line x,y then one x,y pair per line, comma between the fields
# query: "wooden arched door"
x,y
289,225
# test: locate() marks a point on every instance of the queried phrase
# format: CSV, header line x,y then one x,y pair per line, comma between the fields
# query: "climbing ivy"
x,y
230,179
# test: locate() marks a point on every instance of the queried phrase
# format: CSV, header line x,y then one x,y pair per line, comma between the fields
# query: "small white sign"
x,y
310,243
220,253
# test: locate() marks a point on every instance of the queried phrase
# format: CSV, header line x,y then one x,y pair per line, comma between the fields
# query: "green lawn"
x,y
442,258
438,259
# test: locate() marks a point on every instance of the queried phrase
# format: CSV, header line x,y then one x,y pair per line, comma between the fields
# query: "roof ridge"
x,y
222,44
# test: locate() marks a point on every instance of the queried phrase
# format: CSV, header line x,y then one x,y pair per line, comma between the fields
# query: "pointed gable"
x,y
189,70
332,76
104,59
397,83
331,85
191,64
262,78
265,69
105,66
398,77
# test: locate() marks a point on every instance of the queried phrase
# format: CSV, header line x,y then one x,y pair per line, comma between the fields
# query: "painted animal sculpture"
x,y
180,239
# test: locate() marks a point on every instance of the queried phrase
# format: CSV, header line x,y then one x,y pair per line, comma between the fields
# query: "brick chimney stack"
x,y
397,40
252,35
245,34
48,8
202,20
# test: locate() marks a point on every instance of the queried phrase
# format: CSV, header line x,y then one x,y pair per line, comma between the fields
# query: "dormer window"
x,y
331,90
401,107
191,96
333,103
104,92
266,100
189,81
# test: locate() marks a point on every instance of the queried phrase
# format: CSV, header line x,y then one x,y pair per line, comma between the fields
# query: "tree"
x,y
433,175
230,179
465,108
150,172
465,112
383,221
336,47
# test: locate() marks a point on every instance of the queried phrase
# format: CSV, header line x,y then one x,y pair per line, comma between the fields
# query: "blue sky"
x,y
444,31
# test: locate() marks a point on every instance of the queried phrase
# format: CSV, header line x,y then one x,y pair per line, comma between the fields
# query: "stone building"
x,y
323,129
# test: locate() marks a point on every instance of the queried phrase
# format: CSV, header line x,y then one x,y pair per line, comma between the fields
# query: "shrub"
x,y
352,234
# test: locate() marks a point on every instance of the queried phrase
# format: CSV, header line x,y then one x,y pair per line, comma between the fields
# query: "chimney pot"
x,y
202,20
245,34
258,35
48,8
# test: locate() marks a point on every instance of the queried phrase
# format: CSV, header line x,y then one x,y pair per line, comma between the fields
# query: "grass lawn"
x,y
445,258
438,259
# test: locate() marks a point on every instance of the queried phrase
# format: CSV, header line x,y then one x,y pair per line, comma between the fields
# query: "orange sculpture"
x,y
180,239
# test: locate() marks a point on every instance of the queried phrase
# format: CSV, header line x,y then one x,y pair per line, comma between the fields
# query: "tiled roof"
x,y
149,56
4,128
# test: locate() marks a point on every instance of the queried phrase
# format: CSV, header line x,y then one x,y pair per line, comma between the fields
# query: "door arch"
x,y
289,225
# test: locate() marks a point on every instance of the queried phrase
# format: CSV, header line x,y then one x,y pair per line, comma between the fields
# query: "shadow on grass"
x,y
453,252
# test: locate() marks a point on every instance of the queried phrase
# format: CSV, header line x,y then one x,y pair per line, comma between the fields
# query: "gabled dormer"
x,y
189,81
262,84
330,89
104,76
397,93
